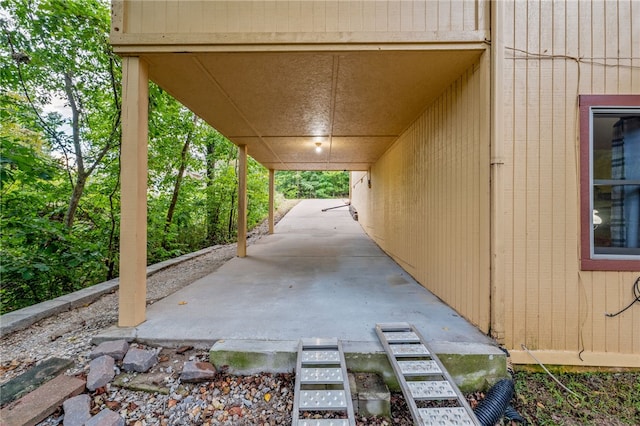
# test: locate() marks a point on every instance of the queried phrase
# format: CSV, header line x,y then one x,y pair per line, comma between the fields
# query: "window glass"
x,y
615,179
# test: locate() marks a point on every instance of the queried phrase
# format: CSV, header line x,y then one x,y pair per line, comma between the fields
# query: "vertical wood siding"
x,y
554,51
231,16
428,205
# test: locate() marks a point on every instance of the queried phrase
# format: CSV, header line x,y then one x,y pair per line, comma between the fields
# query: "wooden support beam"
x,y
133,218
242,201
272,190
497,302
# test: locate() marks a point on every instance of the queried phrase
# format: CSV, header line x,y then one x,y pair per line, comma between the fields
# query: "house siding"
x,y
478,199
428,204
553,52
428,192
265,16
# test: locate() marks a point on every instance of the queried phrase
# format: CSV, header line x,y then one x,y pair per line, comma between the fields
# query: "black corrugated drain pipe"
x,y
491,409
511,414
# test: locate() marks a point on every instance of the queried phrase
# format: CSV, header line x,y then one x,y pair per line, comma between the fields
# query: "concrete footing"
x,y
246,357
473,367
369,395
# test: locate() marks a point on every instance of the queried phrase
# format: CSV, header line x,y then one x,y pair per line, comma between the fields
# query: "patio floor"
x,y
318,275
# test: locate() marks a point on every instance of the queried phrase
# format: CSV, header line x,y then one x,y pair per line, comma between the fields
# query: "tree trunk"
x,y
74,201
83,173
176,187
212,210
78,187
114,237
234,191
231,215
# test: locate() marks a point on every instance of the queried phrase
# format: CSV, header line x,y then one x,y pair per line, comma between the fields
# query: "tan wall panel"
x,y
428,205
550,303
209,16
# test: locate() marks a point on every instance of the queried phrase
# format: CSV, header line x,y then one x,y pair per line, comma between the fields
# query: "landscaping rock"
x,y
151,382
76,410
101,372
194,371
139,360
105,417
31,379
35,406
116,349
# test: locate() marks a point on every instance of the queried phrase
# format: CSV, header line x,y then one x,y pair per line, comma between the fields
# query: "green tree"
x,y
193,182
257,194
313,184
60,171
174,131
59,49
54,228
221,188
40,259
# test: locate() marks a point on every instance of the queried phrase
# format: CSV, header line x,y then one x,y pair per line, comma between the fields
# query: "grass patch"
x,y
603,398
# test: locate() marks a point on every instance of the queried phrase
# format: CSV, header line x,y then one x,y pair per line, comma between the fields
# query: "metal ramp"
x,y
322,383
422,377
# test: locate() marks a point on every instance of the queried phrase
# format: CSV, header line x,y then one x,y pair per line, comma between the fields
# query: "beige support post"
x,y
497,174
242,201
272,191
133,217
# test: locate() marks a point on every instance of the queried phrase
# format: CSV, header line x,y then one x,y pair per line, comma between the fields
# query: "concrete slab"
x,y
319,275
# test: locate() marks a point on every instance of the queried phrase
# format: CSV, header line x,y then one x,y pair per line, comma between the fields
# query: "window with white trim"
x,y
610,135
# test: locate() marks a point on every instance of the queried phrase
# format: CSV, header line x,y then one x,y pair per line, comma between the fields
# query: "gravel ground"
x,y
264,399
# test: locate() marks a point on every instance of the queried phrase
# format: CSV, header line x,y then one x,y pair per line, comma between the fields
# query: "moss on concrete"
x,y
473,372
239,362
470,371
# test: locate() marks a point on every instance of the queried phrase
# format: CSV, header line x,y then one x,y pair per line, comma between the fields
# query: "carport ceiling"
x,y
280,104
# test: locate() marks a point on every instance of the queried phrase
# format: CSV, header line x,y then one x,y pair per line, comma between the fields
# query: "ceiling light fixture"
x,y
318,147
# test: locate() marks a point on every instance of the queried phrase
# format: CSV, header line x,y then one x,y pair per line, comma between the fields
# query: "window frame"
x,y
589,261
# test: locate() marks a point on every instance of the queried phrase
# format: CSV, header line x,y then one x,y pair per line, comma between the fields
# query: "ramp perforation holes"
x,y
436,389
321,375
409,350
322,400
320,357
419,368
401,337
451,416
324,422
